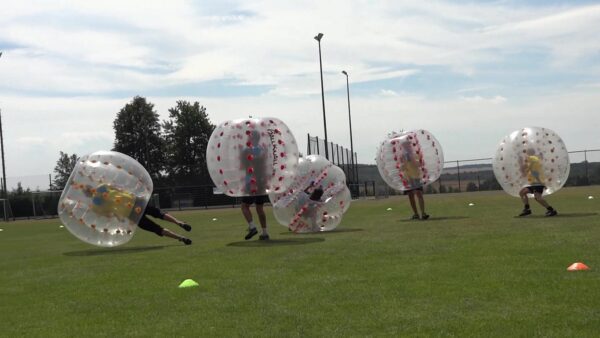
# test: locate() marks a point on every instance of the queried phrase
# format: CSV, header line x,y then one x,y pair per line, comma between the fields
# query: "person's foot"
x,y
415,216
424,217
525,212
551,213
251,233
263,237
185,226
185,241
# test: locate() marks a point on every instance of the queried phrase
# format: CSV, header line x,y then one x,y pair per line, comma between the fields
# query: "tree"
x,y
138,134
186,135
63,169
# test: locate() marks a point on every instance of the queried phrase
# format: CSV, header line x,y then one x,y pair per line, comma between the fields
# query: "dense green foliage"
x,y
138,134
62,170
186,135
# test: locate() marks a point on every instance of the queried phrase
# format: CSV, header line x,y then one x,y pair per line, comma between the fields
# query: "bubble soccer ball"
x,y
529,157
296,210
249,157
104,198
410,160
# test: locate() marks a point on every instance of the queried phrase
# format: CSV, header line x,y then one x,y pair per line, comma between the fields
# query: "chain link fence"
x,y
340,156
458,176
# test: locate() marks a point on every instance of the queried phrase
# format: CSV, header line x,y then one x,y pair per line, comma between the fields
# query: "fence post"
x,y
355,165
458,174
308,144
317,139
587,178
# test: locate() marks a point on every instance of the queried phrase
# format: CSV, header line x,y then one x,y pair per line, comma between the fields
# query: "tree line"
x,y
173,151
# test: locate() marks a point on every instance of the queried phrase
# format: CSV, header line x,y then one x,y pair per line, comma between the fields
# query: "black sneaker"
x,y
186,241
263,237
251,233
424,217
525,212
551,213
185,226
415,216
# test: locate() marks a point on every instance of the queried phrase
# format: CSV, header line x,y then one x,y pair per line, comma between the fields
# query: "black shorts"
x,y
415,189
535,189
147,224
258,200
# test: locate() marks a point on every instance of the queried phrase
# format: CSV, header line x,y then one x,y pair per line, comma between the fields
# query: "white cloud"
x,y
479,99
97,48
388,92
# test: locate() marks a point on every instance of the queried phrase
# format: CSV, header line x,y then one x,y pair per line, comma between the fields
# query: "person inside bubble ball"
x,y
412,173
309,202
531,167
254,160
110,201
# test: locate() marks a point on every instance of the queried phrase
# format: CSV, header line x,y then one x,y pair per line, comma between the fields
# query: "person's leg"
x,y
157,213
526,209
413,205
262,218
248,216
170,218
171,234
421,204
148,225
540,199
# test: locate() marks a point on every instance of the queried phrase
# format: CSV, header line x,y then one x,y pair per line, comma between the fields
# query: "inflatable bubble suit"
x,y
104,198
529,157
252,156
300,209
410,160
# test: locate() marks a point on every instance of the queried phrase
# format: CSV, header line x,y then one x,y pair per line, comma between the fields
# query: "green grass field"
x,y
468,271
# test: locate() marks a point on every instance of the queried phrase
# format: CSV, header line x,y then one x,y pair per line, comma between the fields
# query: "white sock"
x,y
251,225
264,231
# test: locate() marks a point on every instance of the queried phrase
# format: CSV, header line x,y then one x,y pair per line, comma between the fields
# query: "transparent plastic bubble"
x,y
410,160
529,157
105,197
302,208
253,156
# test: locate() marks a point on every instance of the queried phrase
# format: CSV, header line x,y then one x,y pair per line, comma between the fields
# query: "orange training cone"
x,y
578,267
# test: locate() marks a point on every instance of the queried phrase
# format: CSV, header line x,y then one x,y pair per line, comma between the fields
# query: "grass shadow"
x,y
113,251
334,231
276,242
561,215
433,219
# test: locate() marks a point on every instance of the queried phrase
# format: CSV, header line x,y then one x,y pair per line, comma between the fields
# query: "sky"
x,y
470,72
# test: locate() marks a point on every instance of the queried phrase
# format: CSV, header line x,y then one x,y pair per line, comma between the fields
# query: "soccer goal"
x,y
45,203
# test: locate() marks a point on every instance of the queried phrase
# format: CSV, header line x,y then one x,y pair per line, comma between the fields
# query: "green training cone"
x,y
188,283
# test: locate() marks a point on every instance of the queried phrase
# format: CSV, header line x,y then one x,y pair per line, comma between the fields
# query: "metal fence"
x,y
340,156
458,176
478,174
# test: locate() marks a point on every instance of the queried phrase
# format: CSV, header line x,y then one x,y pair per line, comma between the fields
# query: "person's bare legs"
x,y
526,209
170,218
262,218
541,200
171,234
413,205
248,216
246,212
421,204
523,194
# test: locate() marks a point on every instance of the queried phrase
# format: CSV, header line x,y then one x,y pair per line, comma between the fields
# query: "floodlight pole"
x,y
354,173
318,38
4,193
